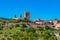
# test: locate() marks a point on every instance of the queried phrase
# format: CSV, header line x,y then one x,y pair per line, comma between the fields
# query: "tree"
x,y
47,27
15,16
20,15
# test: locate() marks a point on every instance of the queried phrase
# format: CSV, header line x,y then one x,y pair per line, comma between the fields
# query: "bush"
x,y
1,27
5,34
22,30
31,30
17,25
24,26
1,32
3,39
4,21
25,38
41,29
8,38
47,28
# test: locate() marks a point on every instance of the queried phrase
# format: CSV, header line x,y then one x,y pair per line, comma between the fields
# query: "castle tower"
x,y
27,15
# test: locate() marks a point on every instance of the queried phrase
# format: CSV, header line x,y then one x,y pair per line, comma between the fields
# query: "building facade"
x,y
27,15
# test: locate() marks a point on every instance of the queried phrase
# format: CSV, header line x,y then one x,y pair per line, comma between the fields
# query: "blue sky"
x,y
43,9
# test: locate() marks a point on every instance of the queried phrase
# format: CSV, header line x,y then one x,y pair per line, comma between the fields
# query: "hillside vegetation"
x,y
19,32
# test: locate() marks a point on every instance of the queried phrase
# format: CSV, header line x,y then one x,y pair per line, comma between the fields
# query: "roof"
x,y
38,20
59,21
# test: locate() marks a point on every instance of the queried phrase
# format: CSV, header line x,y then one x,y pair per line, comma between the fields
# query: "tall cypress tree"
x,y
20,15
15,16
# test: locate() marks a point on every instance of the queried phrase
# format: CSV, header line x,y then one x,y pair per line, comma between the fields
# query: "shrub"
x,y
8,38
31,30
24,26
1,27
41,29
17,25
3,39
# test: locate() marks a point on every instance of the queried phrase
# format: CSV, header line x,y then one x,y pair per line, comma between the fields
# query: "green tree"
x,y
20,15
15,16
47,27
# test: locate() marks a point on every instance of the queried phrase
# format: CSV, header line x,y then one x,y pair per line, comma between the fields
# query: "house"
x,y
49,23
57,26
39,23
56,23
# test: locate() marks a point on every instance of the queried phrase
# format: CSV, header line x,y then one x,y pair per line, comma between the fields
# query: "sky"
x,y
43,9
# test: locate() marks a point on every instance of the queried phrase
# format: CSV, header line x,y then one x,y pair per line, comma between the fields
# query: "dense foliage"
x,y
21,32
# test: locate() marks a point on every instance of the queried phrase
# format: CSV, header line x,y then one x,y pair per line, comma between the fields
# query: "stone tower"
x,y
26,15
